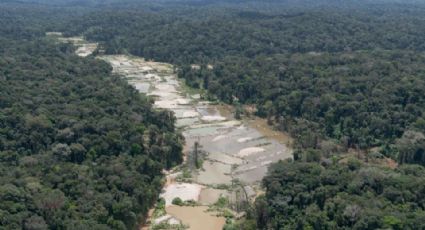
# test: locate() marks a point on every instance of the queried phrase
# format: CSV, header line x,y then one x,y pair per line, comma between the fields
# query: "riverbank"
x,y
233,155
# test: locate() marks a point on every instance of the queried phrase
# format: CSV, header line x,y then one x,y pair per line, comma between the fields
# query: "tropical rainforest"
x,y
344,78
79,147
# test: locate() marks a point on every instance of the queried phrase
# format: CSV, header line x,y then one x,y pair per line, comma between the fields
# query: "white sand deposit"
x,y
189,114
249,151
244,139
184,191
266,163
183,101
166,104
213,118
168,219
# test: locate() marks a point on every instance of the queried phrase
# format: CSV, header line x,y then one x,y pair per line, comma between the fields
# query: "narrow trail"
x,y
235,151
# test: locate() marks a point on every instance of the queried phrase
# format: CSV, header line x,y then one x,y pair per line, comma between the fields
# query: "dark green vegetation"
x,y
351,196
316,73
336,75
79,148
340,78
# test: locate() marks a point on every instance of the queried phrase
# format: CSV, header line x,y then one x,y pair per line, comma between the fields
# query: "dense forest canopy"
x,y
352,196
317,72
349,76
211,35
80,148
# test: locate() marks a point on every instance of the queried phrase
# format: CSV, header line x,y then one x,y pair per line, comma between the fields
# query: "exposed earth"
x,y
236,153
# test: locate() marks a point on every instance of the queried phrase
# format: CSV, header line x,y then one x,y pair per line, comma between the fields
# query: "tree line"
x,y
79,147
335,78
317,73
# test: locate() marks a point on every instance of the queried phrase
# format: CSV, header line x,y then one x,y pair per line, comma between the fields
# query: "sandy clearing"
x,y
114,62
141,87
190,114
171,96
183,101
166,104
165,87
181,122
224,158
84,48
162,219
230,123
244,139
213,118
219,137
153,76
146,68
184,191
249,151
266,163
167,219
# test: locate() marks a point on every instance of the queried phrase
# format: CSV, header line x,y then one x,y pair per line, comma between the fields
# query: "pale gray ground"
x,y
228,142
235,150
